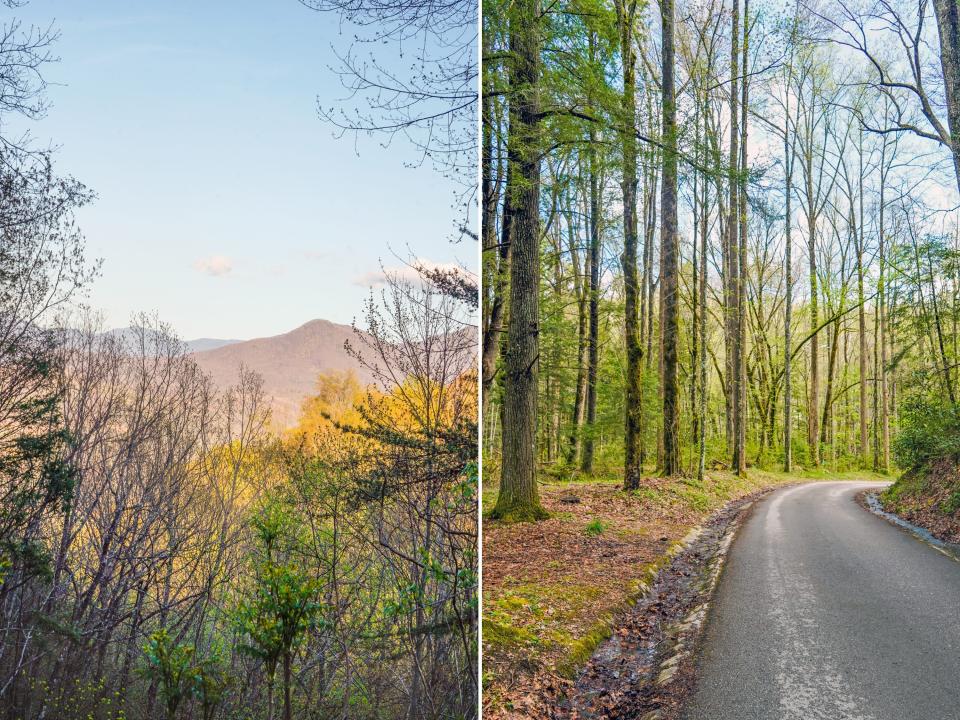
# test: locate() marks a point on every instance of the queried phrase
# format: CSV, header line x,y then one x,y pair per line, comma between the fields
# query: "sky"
x,y
224,204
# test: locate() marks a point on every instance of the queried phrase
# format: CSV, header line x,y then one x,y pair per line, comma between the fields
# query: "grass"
x,y
595,527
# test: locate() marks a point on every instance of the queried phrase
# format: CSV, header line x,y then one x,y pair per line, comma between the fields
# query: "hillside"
x,y
289,363
131,338
929,496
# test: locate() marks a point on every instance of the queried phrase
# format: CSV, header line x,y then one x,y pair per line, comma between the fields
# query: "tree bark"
x,y
287,705
788,303
732,285
813,402
632,470
741,416
862,320
580,283
501,276
948,25
668,229
593,347
519,497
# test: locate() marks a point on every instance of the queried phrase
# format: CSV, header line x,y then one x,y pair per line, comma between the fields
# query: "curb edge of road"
x,y
683,637
869,501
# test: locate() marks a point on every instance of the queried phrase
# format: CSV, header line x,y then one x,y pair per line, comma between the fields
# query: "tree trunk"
x,y
632,469
702,428
881,306
741,416
788,303
862,322
580,283
519,497
732,290
270,682
593,345
501,276
287,707
813,402
668,229
948,25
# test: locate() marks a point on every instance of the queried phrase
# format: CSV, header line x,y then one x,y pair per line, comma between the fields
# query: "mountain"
x,y
201,344
130,336
289,363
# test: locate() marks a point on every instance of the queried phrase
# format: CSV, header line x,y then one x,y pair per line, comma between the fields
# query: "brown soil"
x,y
926,498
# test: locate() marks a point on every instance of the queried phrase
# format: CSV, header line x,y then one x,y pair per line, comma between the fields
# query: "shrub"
x,y
929,430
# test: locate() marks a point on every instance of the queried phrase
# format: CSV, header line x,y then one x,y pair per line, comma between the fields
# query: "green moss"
x,y
502,636
518,512
579,651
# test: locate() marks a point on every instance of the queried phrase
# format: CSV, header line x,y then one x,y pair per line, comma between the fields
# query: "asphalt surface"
x,y
826,611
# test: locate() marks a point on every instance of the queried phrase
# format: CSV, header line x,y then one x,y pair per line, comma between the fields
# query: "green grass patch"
x,y
595,528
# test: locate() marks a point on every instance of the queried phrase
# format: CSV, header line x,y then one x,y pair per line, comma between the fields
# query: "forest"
x,y
717,235
166,550
721,254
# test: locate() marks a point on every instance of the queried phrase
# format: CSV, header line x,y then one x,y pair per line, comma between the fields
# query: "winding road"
x,y
827,612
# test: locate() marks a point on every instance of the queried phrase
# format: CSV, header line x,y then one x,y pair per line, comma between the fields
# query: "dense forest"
x,y
717,235
166,551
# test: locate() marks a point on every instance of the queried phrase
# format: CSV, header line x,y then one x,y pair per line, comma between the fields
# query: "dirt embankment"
x,y
929,497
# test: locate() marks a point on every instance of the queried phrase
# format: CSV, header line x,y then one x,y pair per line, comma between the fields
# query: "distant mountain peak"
x,y
289,363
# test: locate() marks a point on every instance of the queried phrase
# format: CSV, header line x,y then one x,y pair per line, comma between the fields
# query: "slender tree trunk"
x,y
632,469
813,402
833,338
881,308
741,416
287,705
732,293
593,348
580,282
668,229
647,306
270,682
788,302
501,277
519,496
702,428
694,302
862,321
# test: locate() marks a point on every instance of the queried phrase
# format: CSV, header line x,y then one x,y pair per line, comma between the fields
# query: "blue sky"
x,y
224,203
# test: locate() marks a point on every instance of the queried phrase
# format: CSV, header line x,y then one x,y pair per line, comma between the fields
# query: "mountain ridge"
x,y
289,363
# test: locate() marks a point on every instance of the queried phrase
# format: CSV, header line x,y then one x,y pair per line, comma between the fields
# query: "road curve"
x,y
828,612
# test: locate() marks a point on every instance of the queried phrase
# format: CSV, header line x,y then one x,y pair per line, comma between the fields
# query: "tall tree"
x,y
632,469
669,290
518,496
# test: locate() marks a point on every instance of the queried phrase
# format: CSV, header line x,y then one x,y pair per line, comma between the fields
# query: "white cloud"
x,y
407,272
214,265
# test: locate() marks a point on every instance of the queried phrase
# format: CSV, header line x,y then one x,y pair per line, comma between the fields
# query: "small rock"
x,y
666,675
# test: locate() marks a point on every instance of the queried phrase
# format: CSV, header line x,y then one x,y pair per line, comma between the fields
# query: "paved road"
x,y
827,612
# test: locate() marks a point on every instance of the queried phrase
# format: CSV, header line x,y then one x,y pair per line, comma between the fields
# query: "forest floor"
x,y
929,498
553,591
